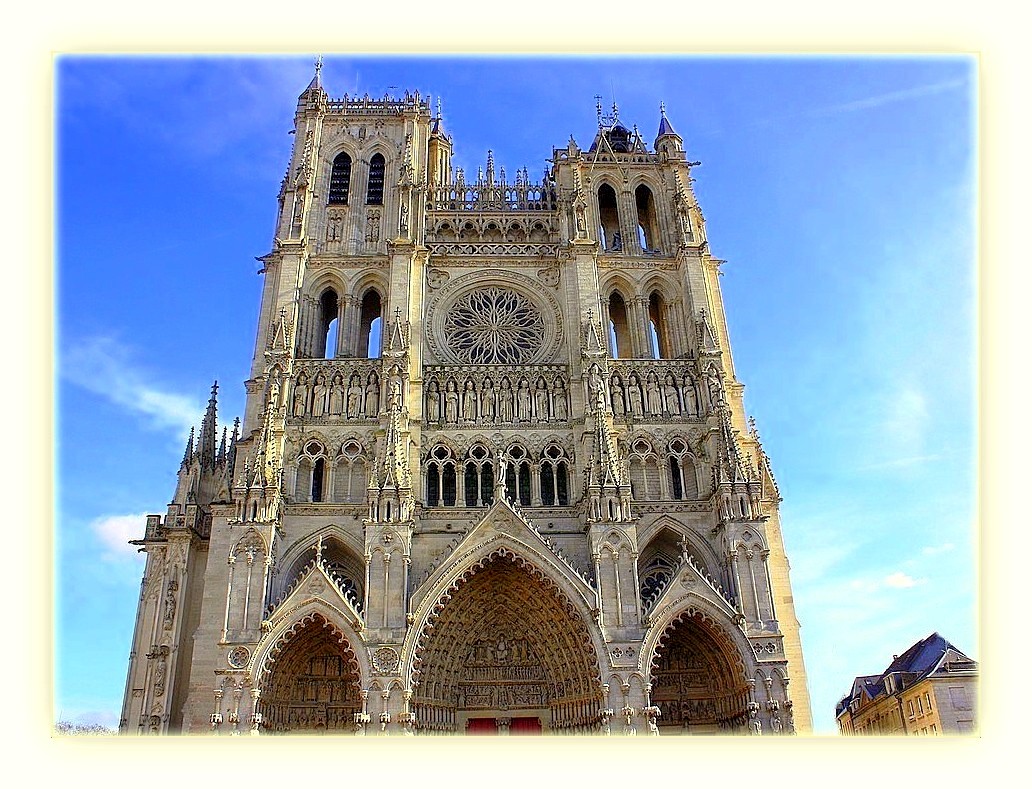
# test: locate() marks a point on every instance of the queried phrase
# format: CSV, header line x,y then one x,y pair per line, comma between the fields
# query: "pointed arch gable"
x,y
313,612
435,593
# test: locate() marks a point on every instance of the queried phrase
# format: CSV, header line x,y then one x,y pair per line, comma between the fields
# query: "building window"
x,y
658,340
478,477
329,325
441,478
371,325
340,180
619,329
648,231
374,194
554,479
910,708
609,219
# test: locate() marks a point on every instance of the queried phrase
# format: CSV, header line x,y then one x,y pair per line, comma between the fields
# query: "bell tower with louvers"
x,y
494,473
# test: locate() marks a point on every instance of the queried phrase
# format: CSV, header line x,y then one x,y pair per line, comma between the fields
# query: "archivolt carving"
x,y
503,635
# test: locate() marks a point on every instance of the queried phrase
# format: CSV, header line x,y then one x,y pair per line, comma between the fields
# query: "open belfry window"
x,y
340,180
374,192
609,219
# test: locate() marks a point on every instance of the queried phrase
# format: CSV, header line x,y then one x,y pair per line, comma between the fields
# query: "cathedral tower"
x,y
494,472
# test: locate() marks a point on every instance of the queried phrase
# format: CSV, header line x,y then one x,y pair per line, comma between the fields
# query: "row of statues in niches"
x,y
670,393
521,400
358,398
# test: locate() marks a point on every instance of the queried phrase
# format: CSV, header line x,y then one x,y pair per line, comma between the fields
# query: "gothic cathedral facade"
x,y
494,473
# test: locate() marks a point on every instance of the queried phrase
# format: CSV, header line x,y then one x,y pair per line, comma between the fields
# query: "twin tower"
x,y
494,473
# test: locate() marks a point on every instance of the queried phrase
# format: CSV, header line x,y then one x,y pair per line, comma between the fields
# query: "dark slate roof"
x,y
919,661
665,127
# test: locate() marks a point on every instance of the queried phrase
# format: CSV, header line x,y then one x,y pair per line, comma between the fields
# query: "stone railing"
x,y
492,197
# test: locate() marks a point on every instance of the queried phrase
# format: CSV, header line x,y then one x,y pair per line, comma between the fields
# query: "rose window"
x,y
494,326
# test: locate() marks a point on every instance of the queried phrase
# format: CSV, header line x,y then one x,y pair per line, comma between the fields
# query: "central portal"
x,y
507,655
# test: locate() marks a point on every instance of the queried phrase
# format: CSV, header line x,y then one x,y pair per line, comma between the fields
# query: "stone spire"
x,y
188,454
206,444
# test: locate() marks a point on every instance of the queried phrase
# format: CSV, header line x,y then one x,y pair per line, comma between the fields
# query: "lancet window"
x,y
478,477
371,325
350,475
374,190
646,472
648,227
619,327
518,475
683,480
440,477
329,325
609,219
554,477
340,180
659,338
311,473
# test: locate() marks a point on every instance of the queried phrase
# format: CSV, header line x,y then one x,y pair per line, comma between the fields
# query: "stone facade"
x,y
931,689
494,472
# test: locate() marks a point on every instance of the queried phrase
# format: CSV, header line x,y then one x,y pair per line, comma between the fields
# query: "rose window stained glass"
x,y
494,326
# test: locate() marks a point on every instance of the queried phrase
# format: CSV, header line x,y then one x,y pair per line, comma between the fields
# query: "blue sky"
x,y
841,192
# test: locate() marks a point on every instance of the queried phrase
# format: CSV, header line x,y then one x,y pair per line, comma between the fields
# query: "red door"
x,y
525,726
481,726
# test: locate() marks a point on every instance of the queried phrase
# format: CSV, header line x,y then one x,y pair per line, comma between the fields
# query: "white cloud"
x,y
932,550
114,533
101,365
899,580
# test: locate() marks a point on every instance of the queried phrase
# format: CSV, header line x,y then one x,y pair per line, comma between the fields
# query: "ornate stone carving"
x,y
238,657
494,326
386,660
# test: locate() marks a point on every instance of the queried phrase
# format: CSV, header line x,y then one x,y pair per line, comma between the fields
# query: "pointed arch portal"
x,y
698,681
313,685
506,652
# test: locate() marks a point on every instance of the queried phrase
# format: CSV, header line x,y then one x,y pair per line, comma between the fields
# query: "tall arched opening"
x,y
507,653
312,684
698,681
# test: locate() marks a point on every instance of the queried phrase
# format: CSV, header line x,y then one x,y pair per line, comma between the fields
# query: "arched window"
x,y
609,219
371,325
340,180
478,477
440,478
555,489
374,192
683,482
645,472
658,335
350,475
329,325
517,476
311,473
619,328
648,228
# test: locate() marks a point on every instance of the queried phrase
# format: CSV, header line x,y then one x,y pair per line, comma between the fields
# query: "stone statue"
x,y
523,401
634,396
559,404
655,400
670,400
487,402
755,727
469,403
541,400
355,397
505,409
616,388
336,396
319,396
372,398
691,400
433,403
300,396
716,391
451,404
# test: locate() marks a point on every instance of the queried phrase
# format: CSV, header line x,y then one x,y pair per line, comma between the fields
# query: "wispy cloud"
x,y
891,97
114,533
103,366
933,550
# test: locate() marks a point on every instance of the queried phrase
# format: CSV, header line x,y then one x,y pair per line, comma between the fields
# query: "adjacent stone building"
x,y
494,472
930,689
